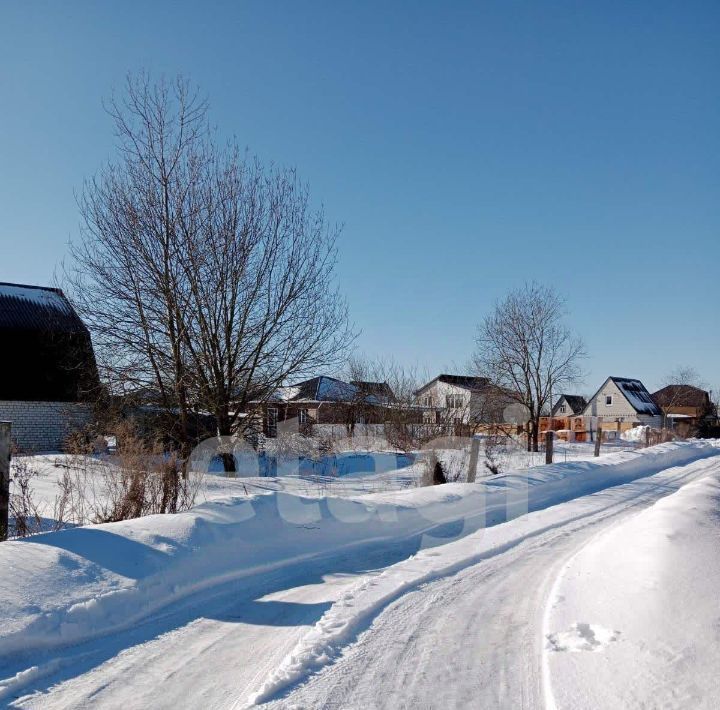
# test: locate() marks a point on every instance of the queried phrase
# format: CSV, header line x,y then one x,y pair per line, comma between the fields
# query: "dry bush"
x,y
24,515
85,441
293,445
494,446
141,478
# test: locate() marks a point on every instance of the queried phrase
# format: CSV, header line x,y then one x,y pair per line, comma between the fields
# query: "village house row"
x,y
50,372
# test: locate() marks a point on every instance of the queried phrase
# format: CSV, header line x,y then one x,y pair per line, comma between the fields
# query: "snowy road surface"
x,y
482,621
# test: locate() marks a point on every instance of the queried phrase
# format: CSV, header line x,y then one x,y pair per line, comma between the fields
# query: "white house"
x,y
459,399
569,405
623,400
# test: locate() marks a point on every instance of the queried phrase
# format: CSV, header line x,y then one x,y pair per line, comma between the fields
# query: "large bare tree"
x,y
525,347
203,275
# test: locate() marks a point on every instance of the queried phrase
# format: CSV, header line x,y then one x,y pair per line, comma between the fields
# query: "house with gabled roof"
x,y
685,407
323,400
623,401
569,405
462,401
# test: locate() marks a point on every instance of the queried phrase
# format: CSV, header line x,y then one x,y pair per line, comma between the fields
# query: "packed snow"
x,y
643,598
405,596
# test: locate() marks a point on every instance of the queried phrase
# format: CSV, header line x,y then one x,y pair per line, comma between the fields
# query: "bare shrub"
x,y
24,513
141,478
494,445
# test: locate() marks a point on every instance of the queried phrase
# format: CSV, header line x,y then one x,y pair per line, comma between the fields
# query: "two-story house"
x,y
622,403
461,401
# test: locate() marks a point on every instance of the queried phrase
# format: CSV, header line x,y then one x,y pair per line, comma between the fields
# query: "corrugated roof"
x,y
576,402
465,381
40,308
637,395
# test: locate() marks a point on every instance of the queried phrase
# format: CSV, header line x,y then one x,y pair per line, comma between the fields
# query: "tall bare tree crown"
x,y
525,347
204,275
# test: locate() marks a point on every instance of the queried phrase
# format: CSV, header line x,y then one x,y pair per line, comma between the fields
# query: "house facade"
x,y
685,407
569,405
620,404
461,402
624,400
323,400
49,375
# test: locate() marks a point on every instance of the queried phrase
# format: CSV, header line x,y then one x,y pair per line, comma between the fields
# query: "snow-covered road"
x,y
477,638
402,623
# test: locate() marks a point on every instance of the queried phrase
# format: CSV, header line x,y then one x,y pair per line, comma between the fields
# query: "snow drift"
x,y
70,586
647,612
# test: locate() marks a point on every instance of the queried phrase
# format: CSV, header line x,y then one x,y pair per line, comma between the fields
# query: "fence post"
x,y
549,438
647,437
474,454
598,439
4,479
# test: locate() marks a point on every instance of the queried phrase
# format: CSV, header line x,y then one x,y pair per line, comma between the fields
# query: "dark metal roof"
x,y
320,389
464,381
576,402
635,393
37,308
48,355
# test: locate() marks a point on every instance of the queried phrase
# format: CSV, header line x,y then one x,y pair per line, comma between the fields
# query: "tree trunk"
x,y
225,430
535,435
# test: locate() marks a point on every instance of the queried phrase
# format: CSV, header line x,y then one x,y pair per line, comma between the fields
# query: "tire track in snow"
x,y
344,624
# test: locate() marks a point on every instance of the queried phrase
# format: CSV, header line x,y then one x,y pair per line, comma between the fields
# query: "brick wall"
x,y
44,426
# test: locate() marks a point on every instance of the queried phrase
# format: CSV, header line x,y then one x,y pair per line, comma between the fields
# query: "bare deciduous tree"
x,y
679,389
204,277
525,348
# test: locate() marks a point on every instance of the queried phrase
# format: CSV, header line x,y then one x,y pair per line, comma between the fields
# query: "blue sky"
x,y
467,147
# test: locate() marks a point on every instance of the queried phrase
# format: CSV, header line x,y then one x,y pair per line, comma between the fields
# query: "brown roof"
x,y
681,396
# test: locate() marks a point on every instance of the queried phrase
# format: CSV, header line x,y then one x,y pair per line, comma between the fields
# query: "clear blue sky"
x,y
466,146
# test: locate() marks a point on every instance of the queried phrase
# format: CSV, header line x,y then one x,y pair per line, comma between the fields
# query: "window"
x,y
608,399
272,421
562,409
427,401
454,401
302,416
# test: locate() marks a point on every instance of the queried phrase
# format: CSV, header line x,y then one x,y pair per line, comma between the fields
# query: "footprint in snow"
x,y
582,637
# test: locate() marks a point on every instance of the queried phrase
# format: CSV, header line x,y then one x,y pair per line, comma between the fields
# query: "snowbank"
x,y
66,587
636,434
638,624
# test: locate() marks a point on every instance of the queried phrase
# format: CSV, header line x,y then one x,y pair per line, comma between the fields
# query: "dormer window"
x,y
562,409
608,400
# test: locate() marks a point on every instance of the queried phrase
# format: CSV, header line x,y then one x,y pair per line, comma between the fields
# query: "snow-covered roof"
x,y
25,307
323,389
636,394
